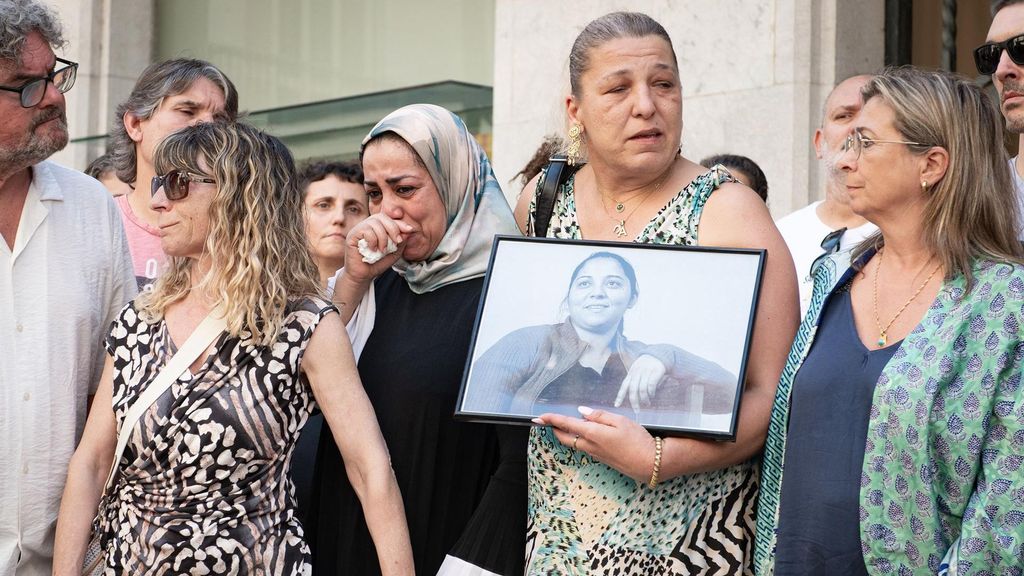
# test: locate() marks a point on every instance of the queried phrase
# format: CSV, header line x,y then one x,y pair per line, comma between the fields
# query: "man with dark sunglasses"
x,y
1002,56
167,97
65,273
814,230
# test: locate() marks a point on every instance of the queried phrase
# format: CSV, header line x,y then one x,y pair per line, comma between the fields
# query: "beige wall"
x,y
754,72
278,52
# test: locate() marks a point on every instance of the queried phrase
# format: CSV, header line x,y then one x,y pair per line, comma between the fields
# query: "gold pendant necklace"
x,y
883,338
620,205
619,229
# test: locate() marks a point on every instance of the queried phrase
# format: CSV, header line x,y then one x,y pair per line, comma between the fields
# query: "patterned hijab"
x,y
475,207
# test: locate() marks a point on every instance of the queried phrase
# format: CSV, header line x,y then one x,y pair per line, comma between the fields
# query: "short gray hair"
x,y
19,18
606,28
158,81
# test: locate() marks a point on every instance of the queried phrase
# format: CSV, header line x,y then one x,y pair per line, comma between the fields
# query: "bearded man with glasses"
x,y
1002,56
65,273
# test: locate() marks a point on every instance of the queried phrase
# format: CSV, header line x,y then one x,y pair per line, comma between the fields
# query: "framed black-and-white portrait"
x,y
658,333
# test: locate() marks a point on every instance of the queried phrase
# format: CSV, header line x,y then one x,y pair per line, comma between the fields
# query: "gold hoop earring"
x,y
575,141
924,186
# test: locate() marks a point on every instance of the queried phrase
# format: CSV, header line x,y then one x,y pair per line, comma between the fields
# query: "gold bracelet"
x,y
657,462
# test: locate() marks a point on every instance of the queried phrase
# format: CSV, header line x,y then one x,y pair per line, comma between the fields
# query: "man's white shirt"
x,y
64,282
803,232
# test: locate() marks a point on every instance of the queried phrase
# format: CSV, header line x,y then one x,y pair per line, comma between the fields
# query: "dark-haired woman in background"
x,y
334,201
743,169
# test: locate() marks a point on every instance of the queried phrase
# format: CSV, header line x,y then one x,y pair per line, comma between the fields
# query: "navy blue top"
x,y
819,524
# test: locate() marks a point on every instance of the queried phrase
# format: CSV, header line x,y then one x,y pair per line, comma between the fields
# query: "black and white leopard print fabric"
x,y
203,487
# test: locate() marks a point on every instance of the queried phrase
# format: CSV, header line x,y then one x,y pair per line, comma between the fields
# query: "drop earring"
x,y
575,141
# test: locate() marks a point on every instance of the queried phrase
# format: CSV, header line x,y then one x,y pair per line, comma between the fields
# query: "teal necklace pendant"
x,y
881,340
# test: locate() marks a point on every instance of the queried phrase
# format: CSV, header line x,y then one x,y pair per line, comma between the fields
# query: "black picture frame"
x,y
539,347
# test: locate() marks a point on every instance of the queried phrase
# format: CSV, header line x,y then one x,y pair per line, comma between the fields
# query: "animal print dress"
x,y
586,518
203,485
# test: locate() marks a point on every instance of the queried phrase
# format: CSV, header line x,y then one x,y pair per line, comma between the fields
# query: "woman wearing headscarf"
x,y
434,199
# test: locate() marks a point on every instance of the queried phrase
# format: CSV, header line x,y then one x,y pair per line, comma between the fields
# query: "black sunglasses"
x,y
32,92
176,182
986,56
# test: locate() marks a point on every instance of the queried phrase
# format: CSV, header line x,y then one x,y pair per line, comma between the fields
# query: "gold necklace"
x,y
620,223
620,205
882,338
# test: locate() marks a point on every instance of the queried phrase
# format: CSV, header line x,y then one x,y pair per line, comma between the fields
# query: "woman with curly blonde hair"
x,y
202,486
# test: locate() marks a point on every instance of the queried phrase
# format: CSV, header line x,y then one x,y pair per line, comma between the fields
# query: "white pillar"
x,y
112,40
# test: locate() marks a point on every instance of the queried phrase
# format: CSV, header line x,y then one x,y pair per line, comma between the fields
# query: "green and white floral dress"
x,y
941,484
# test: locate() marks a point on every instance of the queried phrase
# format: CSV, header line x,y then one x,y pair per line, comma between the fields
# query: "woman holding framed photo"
x,y
599,483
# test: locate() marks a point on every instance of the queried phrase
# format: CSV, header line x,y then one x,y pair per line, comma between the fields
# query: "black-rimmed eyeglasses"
x,y
986,56
857,142
32,92
176,183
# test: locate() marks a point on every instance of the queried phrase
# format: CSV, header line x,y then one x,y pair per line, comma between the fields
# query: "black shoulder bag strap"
x,y
557,173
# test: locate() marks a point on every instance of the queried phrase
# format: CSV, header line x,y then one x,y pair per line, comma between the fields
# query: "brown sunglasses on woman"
x,y
176,182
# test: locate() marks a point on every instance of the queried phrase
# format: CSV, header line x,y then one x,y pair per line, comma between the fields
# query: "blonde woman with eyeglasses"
x,y
896,437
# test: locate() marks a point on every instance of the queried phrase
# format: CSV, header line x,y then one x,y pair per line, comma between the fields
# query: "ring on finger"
x,y
574,441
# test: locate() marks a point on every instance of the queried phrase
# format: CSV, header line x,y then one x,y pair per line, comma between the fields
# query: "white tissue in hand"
x,y
372,256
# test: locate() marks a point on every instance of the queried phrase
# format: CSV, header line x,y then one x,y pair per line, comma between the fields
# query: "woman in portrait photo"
x,y
588,359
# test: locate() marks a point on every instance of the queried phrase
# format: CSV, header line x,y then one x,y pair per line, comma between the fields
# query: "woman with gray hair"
x,y
168,96
896,437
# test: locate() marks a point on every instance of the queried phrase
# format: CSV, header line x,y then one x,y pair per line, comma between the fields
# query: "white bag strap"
x,y
197,342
